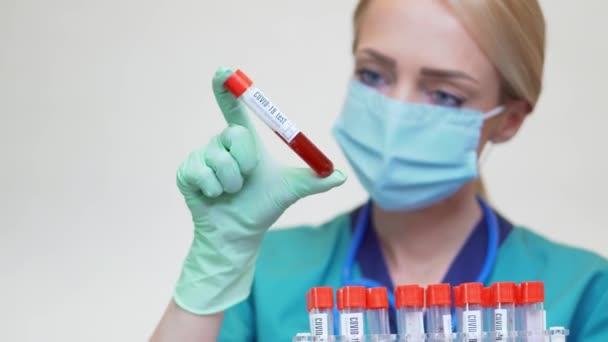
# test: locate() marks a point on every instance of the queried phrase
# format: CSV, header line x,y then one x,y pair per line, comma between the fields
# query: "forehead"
x,y
421,33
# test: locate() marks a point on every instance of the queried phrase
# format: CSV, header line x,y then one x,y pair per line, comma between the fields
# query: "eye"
x,y
370,78
442,98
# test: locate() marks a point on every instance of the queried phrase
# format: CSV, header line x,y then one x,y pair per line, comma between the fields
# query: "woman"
x,y
434,83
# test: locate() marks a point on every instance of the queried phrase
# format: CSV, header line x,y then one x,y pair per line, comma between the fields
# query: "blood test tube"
x,y
409,302
533,315
439,317
502,299
468,301
242,88
377,312
320,302
351,314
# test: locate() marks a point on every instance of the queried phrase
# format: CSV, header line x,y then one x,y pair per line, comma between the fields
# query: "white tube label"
x,y
351,325
501,324
447,325
472,325
269,113
536,323
319,324
414,323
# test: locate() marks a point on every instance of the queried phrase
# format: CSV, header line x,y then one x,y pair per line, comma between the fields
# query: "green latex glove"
x,y
235,192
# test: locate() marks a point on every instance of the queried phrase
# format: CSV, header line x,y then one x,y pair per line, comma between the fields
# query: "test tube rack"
x,y
519,307
555,334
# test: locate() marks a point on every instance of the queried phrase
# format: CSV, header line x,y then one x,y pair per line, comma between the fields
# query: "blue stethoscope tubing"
x,y
362,224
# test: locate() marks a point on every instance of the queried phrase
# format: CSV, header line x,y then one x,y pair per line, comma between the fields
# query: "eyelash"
x,y
436,97
445,99
364,74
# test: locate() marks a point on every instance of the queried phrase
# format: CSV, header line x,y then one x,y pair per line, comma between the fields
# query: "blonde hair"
x,y
511,33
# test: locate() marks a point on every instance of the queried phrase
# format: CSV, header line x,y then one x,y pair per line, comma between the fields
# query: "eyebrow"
x,y
380,58
440,73
429,72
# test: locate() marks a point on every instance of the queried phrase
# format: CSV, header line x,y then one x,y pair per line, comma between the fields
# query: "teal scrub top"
x,y
291,261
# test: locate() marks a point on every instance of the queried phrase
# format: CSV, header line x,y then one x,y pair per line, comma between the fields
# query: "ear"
x,y
511,121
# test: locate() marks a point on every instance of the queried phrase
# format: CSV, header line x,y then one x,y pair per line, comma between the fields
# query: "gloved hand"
x,y
235,192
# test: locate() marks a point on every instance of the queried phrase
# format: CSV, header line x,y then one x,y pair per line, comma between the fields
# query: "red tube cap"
x,y
237,83
532,292
320,298
503,293
470,293
438,294
409,296
457,296
353,297
377,298
486,301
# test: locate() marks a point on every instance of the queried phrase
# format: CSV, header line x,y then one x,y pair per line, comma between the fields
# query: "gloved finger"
x,y
234,111
194,176
302,182
224,166
239,142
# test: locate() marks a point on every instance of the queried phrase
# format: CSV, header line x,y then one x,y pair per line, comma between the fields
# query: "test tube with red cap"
x,y
340,304
409,302
439,317
458,304
377,311
468,302
488,310
503,298
320,303
242,88
532,311
518,319
352,308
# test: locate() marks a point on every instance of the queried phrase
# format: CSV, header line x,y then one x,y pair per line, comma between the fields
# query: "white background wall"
x,y
101,100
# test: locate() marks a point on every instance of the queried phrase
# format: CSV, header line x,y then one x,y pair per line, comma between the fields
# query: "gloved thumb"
x,y
302,182
234,112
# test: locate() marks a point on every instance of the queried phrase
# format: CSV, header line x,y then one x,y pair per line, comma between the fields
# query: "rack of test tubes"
x,y
504,311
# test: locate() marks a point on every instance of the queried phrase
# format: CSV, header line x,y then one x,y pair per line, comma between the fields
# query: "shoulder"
x,y
576,280
532,256
548,253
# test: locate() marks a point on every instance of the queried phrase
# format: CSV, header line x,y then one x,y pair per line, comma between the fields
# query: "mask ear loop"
x,y
489,145
494,112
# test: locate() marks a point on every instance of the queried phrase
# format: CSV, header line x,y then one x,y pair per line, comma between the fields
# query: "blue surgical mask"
x,y
406,155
